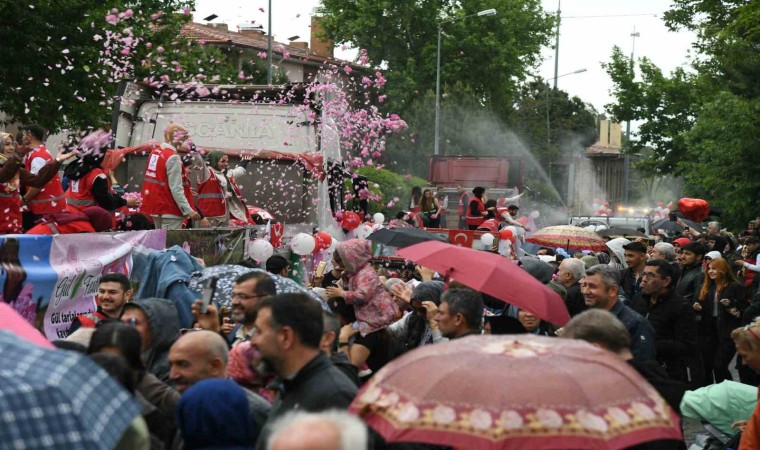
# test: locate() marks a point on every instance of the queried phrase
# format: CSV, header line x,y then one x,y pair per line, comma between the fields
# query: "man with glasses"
x,y
247,291
673,320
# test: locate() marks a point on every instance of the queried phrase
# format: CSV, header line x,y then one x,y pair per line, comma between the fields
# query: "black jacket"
x,y
629,284
675,328
726,322
318,386
574,302
690,283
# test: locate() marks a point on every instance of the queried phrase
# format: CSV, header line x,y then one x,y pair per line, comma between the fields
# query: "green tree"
x,y
701,124
64,58
722,157
489,55
665,105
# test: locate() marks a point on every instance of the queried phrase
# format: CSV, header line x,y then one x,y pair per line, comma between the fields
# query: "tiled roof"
x,y
217,36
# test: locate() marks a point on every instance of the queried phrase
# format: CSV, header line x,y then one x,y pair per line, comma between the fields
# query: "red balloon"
x,y
350,221
506,234
694,209
322,241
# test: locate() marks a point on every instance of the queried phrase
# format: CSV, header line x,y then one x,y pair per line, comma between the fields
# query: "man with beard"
x,y
114,291
288,334
247,291
690,283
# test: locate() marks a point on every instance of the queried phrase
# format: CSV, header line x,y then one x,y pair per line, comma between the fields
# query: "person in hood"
x,y
213,414
418,327
93,219
372,304
157,322
617,253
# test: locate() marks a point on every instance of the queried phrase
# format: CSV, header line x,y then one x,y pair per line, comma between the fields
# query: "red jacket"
x,y
79,196
78,226
212,200
50,199
156,195
475,220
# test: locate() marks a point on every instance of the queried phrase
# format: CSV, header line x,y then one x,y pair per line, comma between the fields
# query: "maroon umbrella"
x,y
491,274
514,392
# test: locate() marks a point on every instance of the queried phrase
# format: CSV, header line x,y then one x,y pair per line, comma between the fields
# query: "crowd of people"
x,y
278,370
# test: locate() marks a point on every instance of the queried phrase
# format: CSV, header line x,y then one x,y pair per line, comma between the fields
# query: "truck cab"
x,y
276,125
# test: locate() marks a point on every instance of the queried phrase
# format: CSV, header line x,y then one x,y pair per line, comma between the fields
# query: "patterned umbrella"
x,y
55,399
567,236
514,392
226,275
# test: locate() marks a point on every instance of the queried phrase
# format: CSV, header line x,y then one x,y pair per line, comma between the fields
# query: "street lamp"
x,y
548,122
485,12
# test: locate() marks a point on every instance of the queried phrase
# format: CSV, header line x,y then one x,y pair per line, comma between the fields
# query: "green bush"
x,y
388,185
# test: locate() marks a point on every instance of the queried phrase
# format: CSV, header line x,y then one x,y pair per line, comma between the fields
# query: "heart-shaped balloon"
x,y
694,209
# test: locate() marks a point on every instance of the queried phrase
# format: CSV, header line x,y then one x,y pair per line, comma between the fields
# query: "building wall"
x,y
597,178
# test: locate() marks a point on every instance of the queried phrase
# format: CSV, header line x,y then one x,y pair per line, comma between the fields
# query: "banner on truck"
x,y
50,280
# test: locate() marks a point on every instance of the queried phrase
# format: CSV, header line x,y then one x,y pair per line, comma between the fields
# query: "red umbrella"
x,y
492,274
514,392
12,321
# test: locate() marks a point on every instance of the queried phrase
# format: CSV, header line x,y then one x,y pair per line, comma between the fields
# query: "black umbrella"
x,y
403,237
673,227
620,232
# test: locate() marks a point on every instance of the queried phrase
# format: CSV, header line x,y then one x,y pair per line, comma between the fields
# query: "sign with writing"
x,y
50,280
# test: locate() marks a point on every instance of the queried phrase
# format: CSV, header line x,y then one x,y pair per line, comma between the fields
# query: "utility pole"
x,y
269,47
627,157
556,46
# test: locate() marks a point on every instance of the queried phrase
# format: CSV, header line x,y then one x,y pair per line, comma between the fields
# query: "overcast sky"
x,y
585,41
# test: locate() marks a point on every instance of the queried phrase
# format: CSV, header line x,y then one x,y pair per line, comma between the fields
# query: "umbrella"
x,y
673,227
57,399
403,237
514,392
491,274
12,321
620,232
720,405
226,275
567,236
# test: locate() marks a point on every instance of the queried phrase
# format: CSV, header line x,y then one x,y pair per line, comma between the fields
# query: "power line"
x,y
608,15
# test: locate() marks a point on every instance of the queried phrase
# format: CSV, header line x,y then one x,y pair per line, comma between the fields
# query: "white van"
x,y
271,123
598,223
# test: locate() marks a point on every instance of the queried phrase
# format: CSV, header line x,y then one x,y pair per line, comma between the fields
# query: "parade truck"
x,y
502,176
287,176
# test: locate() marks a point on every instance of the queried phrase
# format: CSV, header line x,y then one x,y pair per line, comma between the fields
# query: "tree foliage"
x,y
701,124
64,58
401,36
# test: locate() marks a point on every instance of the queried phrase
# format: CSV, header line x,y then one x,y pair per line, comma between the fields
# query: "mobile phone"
x,y
320,269
207,293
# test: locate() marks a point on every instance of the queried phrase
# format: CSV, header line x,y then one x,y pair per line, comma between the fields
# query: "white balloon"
x,y
378,218
487,240
534,215
363,231
302,244
260,249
